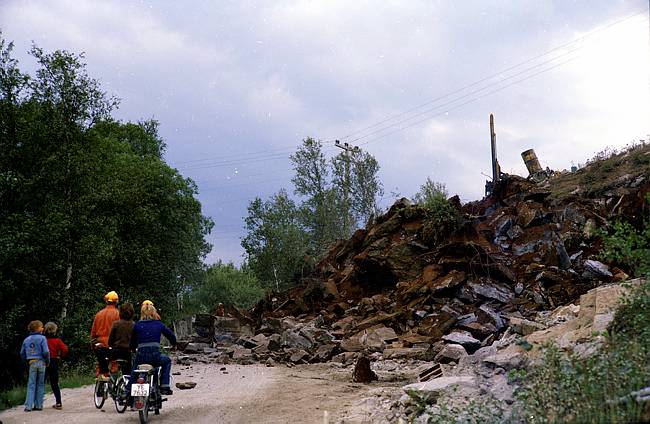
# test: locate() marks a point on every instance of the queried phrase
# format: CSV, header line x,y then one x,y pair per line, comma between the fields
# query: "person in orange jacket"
x,y
101,329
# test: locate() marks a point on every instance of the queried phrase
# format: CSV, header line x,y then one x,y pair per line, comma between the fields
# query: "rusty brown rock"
x,y
362,372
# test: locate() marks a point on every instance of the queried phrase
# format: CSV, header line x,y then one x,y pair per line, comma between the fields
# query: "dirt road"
x,y
246,394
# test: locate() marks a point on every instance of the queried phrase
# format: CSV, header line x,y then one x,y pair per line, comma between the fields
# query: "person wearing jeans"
x,y
36,353
58,350
146,338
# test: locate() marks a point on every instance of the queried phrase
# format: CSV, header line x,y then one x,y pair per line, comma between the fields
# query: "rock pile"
x,y
405,287
399,289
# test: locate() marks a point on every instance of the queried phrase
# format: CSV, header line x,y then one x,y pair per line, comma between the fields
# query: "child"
x,y
58,350
35,352
120,336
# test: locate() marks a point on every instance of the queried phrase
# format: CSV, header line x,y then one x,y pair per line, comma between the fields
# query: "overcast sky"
x,y
237,85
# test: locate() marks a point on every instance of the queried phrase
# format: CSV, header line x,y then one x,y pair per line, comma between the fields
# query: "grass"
x,y
70,380
602,171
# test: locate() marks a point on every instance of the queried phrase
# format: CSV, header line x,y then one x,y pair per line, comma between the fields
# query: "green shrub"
x,y
442,217
628,246
639,158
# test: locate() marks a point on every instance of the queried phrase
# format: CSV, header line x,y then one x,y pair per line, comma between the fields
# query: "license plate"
x,y
140,390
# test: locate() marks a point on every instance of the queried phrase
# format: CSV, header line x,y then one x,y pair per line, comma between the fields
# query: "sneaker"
x,y
57,406
37,409
166,391
28,410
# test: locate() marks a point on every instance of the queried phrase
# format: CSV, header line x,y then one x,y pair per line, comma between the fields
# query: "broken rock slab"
x,y
524,327
463,338
294,340
196,347
451,353
507,359
595,269
362,372
345,358
431,390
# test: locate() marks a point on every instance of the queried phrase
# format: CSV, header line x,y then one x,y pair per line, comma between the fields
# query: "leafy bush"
x,y
441,216
628,246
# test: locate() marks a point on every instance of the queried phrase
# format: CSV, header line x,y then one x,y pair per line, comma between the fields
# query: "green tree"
x,y
356,186
311,180
227,284
87,205
277,245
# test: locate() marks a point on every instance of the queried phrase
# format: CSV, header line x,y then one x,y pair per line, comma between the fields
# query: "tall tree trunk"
x,y
66,288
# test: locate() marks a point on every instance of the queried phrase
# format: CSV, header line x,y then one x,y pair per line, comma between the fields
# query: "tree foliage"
x,y
87,205
442,216
227,284
277,242
284,238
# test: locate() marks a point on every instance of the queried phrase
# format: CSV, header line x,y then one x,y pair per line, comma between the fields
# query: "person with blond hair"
x,y
58,350
146,339
35,352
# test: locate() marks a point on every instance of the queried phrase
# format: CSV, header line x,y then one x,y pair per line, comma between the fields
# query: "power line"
x,y
471,93
244,161
469,101
274,154
546,53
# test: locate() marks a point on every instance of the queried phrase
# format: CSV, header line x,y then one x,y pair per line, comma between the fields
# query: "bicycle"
x,y
115,387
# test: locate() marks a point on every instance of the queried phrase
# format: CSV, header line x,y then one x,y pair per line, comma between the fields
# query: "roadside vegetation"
x,y
442,218
69,379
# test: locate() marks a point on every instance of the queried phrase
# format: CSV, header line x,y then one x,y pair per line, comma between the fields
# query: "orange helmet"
x,y
111,297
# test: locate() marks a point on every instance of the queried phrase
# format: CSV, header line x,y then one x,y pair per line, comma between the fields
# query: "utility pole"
x,y
348,149
493,142
496,169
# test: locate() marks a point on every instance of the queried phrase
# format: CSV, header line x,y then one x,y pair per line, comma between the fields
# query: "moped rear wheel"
x,y
144,413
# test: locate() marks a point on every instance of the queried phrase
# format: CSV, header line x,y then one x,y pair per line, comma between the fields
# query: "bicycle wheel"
x,y
99,394
120,395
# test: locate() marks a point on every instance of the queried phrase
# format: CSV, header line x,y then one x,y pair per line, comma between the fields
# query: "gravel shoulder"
x,y
241,394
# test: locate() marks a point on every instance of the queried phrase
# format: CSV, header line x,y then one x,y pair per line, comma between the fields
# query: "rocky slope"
x,y
404,288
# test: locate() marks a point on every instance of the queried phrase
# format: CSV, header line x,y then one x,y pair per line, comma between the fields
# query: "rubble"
x,y
399,289
523,268
186,385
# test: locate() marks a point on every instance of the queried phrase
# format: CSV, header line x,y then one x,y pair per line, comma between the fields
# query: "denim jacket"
x,y
35,347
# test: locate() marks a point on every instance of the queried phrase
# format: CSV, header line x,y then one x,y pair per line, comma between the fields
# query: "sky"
x,y
237,85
